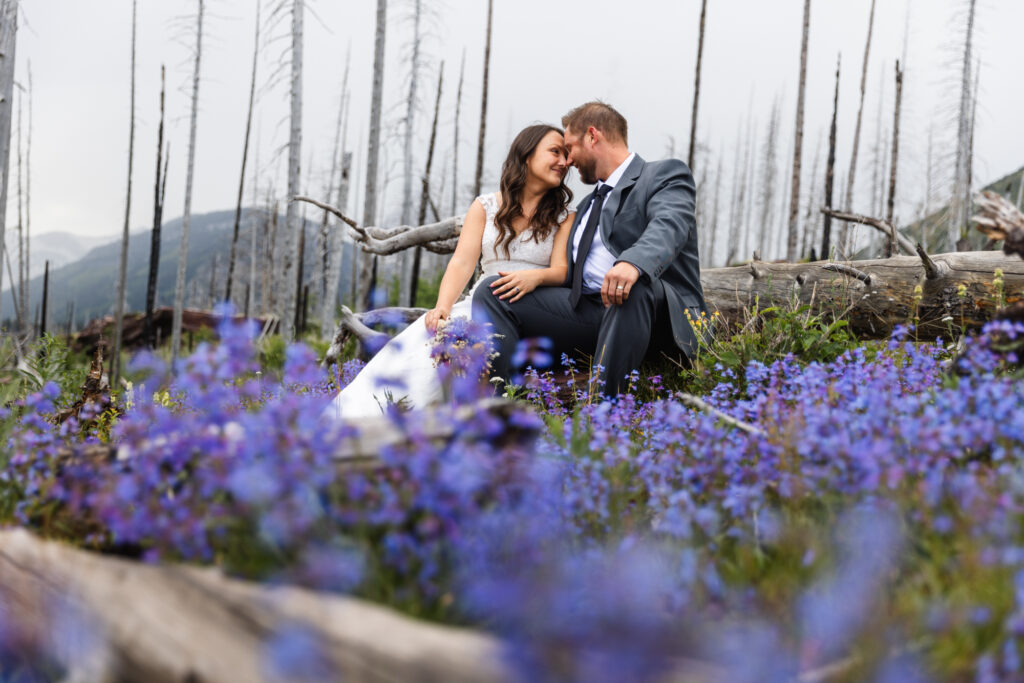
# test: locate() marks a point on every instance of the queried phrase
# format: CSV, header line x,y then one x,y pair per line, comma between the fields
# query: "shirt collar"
x,y
617,174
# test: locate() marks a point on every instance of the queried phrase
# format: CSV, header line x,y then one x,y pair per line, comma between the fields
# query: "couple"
x,y
614,280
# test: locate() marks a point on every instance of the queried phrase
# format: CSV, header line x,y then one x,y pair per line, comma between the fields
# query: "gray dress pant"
x,y
617,338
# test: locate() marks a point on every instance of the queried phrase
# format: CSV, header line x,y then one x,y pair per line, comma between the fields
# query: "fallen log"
x,y
179,623
360,326
957,290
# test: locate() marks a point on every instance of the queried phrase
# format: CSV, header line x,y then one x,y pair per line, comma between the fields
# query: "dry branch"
x,y
439,237
849,271
358,325
884,227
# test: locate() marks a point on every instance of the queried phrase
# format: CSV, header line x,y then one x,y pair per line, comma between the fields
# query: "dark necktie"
x,y
585,241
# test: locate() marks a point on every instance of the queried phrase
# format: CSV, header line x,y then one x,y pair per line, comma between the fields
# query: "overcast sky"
x,y
547,56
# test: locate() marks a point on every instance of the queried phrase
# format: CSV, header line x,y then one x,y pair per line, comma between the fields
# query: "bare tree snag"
x,y
425,189
158,210
851,177
8,41
798,143
692,153
122,271
179,289
894,163
368,264
483,103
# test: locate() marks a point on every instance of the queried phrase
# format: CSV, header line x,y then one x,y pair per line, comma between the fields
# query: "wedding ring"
x,y
620,287
515,289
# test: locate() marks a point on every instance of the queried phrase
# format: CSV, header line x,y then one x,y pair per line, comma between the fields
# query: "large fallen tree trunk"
x,y
179,623
957,290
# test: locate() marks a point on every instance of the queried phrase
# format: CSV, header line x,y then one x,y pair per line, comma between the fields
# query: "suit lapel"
x,y
580,209
611,204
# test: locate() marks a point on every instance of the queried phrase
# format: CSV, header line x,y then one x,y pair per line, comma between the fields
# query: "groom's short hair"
x,y
599,115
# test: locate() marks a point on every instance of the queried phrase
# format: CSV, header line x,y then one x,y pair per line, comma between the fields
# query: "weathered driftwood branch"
x,y
1000,220
439,237
883,226
359,325
875,307
179,623
932,270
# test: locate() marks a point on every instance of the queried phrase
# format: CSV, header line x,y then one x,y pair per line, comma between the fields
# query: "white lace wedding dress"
x,y
404,368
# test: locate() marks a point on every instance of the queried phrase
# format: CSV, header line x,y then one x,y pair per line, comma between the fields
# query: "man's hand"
x,y
617,283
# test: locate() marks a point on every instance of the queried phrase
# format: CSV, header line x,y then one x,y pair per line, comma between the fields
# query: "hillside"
x,y
90,280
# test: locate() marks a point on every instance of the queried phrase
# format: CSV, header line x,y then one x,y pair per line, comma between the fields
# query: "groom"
x,y
633,265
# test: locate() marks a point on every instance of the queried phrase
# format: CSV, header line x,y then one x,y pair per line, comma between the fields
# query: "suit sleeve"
x,y
670,220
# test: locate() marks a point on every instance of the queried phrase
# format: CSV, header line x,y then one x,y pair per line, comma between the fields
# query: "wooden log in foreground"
x,y
875,295
180,623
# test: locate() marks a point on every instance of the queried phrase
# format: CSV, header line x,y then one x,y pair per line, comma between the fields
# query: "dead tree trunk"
x,y
851,177
768,174
735,208
122,271
373,152
483,103
798,143
425,189
830,169
692,153
186,218
22,273
46,299
158,210
894,163
455,137
8,41
245,157
961,204
292,227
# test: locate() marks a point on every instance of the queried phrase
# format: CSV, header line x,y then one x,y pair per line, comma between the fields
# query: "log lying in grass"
x,y
178,623
360,327
875,295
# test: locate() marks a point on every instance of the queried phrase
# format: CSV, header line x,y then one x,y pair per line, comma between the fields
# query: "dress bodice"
x,y
524,253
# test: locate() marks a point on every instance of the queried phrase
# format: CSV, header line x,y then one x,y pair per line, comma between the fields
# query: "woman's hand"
x,y
513,286
435,316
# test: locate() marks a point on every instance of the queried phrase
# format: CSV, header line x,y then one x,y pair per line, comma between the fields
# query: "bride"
x,y
519,234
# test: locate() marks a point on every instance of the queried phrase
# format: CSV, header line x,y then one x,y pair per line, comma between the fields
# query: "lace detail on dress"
x,y
524,252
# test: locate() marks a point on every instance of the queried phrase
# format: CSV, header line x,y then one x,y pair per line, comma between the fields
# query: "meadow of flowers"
x,y
865,511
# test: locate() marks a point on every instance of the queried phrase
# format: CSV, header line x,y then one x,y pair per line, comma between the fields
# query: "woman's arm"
x,y
529,280
461,265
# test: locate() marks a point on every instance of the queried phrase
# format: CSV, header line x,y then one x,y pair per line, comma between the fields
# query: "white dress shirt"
x,y
599,259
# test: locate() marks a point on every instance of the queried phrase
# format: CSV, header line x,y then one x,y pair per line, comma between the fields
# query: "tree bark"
x,y
46,299
425,189
798,143
851,178
830,170
122,271
455,137
894,163
245,157
692,153
158,210
186,218
483,103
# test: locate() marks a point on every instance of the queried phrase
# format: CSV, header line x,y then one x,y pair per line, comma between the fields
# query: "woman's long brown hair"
x,y
513,181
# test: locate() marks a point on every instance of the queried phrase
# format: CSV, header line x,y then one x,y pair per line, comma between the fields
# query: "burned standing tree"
x,y
22,272
425,189
455,136
292,226
692,153
245,157
8,40
368,264
768,173
810,216
149,334
851,177
122,271
894,164
960,206
735,204
830,169
798,143
186,218
483,103
409,123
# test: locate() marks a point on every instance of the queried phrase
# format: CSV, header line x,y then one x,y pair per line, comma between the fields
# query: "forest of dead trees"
x,y
760,200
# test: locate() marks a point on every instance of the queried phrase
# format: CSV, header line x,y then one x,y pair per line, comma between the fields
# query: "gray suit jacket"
x,y
648,220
